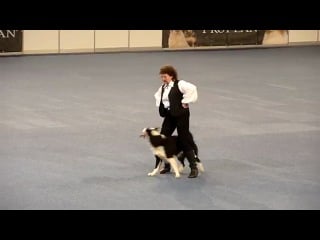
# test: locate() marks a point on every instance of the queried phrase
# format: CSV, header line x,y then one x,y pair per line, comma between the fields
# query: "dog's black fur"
x,y
171,144
166,148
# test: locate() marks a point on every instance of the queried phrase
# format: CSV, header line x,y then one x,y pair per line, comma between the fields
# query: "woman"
x,y
173,99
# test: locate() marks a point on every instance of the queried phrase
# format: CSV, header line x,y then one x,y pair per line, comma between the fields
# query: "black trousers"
x,y
170,123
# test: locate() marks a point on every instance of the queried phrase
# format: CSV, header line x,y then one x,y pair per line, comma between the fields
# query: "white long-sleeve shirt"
x,y
189,91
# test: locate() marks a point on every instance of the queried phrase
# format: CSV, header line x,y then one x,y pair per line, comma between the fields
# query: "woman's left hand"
x,y
185,105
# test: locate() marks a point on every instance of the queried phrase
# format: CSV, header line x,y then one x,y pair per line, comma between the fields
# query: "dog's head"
x,y
150,131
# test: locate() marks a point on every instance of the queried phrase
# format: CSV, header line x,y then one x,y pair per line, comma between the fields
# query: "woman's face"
x,y
166,78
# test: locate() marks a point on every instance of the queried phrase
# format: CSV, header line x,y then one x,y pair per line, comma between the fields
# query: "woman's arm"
x,y
189,91
157,96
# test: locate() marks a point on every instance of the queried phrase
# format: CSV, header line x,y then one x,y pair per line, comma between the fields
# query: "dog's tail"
x,y
200,166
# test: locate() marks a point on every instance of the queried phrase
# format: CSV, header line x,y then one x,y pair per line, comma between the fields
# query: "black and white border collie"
x,y
167,149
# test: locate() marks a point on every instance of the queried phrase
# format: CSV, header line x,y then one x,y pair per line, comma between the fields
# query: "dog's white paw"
x,y
177,176
153,173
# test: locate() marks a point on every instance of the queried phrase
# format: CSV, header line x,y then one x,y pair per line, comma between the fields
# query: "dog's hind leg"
x,y
181,157
174,165
181,168
180,163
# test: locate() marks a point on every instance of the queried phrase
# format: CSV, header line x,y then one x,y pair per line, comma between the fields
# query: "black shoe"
x,y
194,173
165,170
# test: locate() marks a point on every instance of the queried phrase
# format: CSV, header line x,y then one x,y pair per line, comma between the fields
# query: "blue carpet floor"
x,y
69,127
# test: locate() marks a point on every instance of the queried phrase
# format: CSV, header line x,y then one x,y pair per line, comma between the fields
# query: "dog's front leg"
x,y
157,167
154,172
174,165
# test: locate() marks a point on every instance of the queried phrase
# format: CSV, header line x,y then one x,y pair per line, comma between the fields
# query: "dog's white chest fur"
x,y
159,151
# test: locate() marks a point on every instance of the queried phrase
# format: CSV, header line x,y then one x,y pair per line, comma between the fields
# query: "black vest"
x,y
175,97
